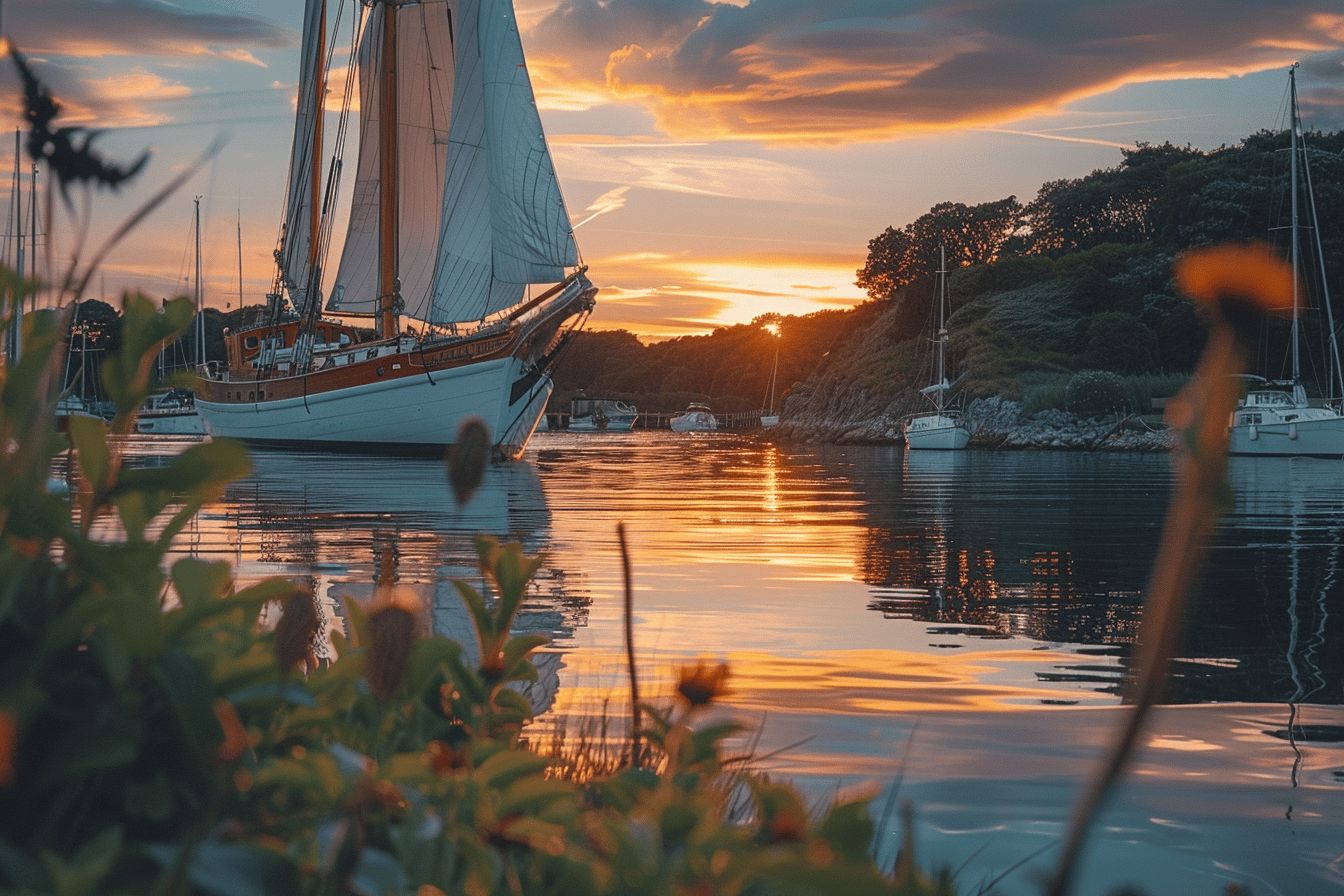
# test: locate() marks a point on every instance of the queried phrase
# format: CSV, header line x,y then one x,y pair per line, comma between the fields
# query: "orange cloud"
x,y
801,71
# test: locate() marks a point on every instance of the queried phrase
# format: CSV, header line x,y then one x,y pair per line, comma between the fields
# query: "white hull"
x,y
1319,437
769,421
936,433
407,415
182,423
697,422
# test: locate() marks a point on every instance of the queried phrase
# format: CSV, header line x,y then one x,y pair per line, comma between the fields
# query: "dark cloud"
x,y
136,27
845,69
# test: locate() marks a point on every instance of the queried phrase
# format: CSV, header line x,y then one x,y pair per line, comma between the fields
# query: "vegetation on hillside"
x,y
1078,278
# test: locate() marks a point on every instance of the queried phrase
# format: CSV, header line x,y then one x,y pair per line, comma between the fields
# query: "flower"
x,y
294,633
392,634
702,684
9,740
1249,274
236,741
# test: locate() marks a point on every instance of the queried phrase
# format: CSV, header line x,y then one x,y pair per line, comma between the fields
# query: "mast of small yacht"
x,y
1295,240
1337,380
389,281
16,201
940,375
200,296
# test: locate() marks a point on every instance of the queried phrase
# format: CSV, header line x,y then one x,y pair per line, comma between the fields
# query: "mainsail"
x,y
296,253
481,214
504,220
424,98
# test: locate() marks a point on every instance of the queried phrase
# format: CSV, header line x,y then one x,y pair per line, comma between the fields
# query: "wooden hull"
x,y
400,397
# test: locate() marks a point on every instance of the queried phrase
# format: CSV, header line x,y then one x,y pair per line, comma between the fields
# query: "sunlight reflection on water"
x,y
979,603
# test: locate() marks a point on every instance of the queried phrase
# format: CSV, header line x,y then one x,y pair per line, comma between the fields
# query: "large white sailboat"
x,y
943,430
1276,418
456,216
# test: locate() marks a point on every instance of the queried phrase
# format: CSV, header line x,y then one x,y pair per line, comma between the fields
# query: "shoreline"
x,y
996,424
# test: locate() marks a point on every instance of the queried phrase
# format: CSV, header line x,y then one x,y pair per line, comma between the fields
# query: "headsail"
x,y
424,100
295,248
504,220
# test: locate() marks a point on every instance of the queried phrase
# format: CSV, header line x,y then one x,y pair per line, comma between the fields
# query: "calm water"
x,y
966,618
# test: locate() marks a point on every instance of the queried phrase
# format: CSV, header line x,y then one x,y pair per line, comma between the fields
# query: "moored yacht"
x,y
943,430
697,418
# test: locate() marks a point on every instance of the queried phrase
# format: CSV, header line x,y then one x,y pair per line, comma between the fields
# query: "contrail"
x,y
1047,136
610,201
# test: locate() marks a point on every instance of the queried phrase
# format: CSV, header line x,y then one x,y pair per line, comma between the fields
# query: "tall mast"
x,y
200,303
32,229
389,281
16,200
941,374
240,256
1296,249
315,164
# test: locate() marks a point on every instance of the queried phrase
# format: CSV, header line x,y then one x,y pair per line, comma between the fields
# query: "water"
x,y
959,622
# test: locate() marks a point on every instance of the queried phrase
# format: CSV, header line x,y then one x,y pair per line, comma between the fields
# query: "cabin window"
x,y
249,342
251,396
344,339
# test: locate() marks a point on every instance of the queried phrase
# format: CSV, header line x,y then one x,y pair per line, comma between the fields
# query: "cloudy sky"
x,y
726,159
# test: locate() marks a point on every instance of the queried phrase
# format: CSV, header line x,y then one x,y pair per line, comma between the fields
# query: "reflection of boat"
x,y
1276,418
696,419
943,429
601,415
456,214
172,413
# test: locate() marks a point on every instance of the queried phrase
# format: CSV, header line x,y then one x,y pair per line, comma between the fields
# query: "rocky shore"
x,y
995,423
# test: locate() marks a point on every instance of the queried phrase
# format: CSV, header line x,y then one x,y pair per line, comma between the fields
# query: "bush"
x,y
1119,341
153,739
1094,393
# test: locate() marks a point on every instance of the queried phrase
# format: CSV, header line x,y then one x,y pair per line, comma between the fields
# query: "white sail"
x,y
504,220
294,246
424,102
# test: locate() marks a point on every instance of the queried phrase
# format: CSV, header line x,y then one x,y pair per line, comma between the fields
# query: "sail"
x,y
504,220
295,242
424,101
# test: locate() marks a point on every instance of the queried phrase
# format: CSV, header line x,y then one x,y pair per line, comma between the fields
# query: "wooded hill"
x,y
1077,278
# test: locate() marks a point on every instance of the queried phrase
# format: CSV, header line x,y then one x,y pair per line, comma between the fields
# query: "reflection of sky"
x,y
982,602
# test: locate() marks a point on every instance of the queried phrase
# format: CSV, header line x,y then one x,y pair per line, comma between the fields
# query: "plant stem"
x,y
635,722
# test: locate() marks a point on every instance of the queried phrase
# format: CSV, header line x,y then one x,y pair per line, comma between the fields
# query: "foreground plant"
x,y
155,739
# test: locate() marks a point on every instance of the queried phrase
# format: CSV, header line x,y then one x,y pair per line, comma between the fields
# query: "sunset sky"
x,y
727,158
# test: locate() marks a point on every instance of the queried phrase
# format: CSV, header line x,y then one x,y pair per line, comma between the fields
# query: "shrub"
x,y
154,739
1119,341
1093,393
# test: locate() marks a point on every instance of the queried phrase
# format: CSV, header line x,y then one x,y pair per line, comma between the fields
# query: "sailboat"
x,y
173,412
1276,418
769,419
943,429
456,216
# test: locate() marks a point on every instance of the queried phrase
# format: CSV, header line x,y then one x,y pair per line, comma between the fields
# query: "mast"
x,y
389,283
1337,380
315,174
16,325
200,304
1296,248
940,375
32,229
240,256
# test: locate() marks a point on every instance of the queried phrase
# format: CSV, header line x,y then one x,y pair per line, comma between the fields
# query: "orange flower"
x,y
9,743
1249,274
235,742
703,684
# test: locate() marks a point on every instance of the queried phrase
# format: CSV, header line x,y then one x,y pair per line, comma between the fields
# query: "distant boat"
x,y
601,415
456,222
697,418
943,430
769,418
1276,419
171,413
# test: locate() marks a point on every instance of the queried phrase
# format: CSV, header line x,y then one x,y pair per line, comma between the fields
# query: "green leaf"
x,y
508,766
89,436
198,581
83,872
480,614
234,869
191,699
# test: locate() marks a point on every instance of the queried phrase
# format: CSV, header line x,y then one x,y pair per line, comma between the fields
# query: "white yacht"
x,y
1276,419
601,415
172,413
697,418
942,430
